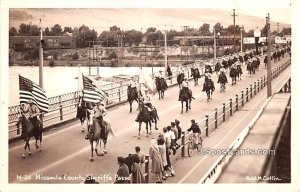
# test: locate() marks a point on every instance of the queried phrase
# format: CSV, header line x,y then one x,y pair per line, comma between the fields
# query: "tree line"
x,y
115,36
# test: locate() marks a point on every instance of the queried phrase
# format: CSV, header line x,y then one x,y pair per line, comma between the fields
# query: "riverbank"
x,y
102,63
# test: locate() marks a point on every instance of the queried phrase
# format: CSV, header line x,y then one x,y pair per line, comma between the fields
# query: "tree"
x,y
68,29
47,32
34,30
114,28
219,28
56,30
204,29
13,31
84,35
24,29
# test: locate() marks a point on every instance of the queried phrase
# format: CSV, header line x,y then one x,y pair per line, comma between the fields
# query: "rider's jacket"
x,y
185,84
133,83
147,98
32,110
99,111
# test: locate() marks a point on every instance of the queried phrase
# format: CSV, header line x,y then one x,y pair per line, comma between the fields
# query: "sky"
x,y
280,11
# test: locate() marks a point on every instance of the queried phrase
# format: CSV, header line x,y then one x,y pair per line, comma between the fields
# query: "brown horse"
x,y
28,131
96,134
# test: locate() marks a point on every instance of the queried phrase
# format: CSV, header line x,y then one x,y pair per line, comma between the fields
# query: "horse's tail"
x,y
110,130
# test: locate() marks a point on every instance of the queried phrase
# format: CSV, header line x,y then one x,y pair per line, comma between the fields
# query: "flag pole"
x,y
41,57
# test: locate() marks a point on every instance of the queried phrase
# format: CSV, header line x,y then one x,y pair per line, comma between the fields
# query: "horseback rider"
x,y
185,87
207,81
99,112
147,103
162,78
34,113
133,85
169,71
208,68
222,79
194,130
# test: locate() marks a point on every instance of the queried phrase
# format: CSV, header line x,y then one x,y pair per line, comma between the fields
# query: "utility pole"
x,y
269,78
277,28
166,57
185,41
215,50
234,15
41,56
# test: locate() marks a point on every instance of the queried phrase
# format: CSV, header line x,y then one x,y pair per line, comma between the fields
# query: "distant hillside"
x,y
139,19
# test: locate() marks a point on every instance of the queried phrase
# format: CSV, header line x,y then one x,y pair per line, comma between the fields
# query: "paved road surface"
x,y
66,152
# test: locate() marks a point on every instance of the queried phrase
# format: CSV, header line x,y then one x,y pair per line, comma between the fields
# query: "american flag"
x,y
91,93
31,91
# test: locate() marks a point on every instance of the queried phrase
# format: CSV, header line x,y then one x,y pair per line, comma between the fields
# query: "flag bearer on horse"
x,y
34,113
100,111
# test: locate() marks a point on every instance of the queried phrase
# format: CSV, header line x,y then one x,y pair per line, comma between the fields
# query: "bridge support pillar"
x,y
216,118
224,117
147,172
242,98
183,144
206,124
230,107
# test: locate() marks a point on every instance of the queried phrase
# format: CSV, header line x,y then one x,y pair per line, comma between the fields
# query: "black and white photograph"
x,y
149,92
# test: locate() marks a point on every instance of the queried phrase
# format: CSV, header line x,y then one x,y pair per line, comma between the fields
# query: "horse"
x,y
185,95
239,72
180,78
222,80
161,86
29,130
81,112
96,134
208,87
132,95
233,74
146,116
195,74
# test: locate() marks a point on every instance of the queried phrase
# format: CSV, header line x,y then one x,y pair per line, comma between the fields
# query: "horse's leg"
x,y
181,106
92,151
147,126
29,147
104,143
100,147
139,135
82,122
130,104
36,145
186,105
25,147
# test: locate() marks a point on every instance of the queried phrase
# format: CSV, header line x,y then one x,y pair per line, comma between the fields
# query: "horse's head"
x,y
91,114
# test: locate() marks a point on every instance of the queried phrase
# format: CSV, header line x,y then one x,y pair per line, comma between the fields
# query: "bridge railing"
x,y
64,107
213,120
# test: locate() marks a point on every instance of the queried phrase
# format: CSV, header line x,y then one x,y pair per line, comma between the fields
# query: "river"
x,y
61,80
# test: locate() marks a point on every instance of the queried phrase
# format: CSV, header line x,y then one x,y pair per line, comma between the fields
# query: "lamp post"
x,y
215,43
269,78
257,33
242,28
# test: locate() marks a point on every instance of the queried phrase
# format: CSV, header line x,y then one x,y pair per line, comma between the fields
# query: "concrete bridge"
x,y
66,153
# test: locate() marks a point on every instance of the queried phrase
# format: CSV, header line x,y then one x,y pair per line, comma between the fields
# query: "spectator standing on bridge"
x,y
179,130
157,165
122,175
169,71
168,144
162,150
140,154
173,138
137,175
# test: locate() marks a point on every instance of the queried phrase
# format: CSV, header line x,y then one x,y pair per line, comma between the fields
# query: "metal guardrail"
x,y
208,125
66,104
